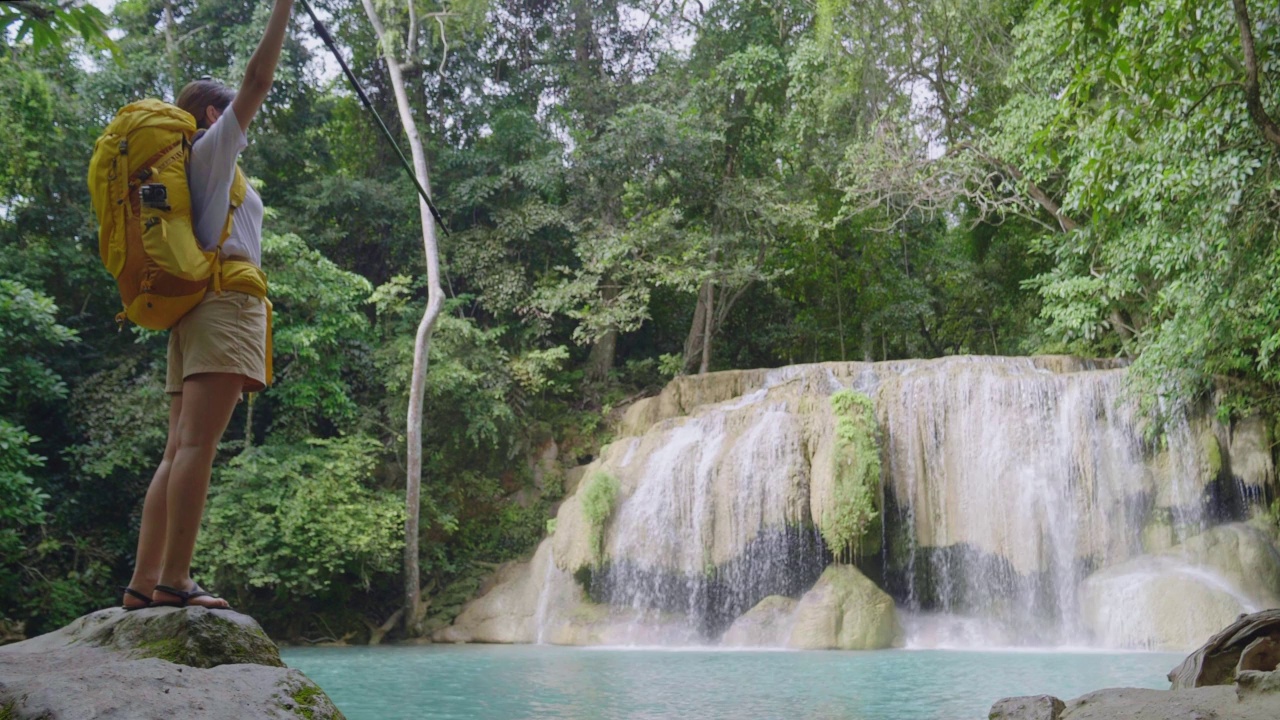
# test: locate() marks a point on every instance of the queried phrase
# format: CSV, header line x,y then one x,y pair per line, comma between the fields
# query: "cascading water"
x,y
1011,483
1020,504
716,522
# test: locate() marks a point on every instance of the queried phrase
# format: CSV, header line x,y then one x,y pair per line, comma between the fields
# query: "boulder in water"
x,y
1031,707
158,662
845,611
1235,648
1156,603
768,624
1244,655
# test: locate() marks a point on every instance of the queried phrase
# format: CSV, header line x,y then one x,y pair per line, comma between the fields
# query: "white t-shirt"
x,y
210,169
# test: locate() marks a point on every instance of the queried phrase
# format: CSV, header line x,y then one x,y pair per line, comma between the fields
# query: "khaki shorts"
x,y
225,333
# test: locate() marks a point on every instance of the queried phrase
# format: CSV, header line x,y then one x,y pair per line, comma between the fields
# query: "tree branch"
x,y
411,47
1252,87
1039,195
444,40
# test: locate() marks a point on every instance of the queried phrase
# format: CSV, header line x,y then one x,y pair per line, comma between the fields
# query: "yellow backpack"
x,y
138,183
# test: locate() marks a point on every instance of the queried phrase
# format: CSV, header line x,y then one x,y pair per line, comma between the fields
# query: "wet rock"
x,y
1157,604
1218,703
1031,707
507,612
1176,599
161,662
768,624
1255,682
845,611
1240,554
1215,662
1250,455
1202,684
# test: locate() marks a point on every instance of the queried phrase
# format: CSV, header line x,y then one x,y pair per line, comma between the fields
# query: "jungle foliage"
x,y
635,190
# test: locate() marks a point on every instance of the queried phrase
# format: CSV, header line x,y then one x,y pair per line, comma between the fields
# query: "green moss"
x,y
304,699
598,500
168,649
7,712
1212,453
853,525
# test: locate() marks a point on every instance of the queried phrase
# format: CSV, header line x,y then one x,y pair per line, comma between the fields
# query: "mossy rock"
x,y
193,636
845,611
850,518
158,662
310,702
1212,454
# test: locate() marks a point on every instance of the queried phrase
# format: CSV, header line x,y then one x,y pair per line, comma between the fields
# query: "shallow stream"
x,y
502,682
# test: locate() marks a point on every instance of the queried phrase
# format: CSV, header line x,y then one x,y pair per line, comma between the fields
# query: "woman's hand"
x,y
261,71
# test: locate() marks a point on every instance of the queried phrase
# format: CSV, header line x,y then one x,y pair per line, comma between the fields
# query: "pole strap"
x,y
333,48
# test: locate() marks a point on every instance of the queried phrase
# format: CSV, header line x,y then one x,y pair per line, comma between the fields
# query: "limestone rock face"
x,y
1176,599
768,624
510,611
845,611
572,539
1248,450
537,602
161,662
1001,477
1153,603
1242,555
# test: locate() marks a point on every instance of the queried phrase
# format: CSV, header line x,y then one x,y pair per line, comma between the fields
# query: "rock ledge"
x,y
155,663
1234,676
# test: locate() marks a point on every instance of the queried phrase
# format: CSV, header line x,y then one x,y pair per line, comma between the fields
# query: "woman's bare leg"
x,y
208,400
150,556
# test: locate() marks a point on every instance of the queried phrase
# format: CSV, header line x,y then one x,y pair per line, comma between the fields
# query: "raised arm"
x,y
261,71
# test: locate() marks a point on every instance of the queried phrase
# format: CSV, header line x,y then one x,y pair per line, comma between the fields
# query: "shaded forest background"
x,y
635,189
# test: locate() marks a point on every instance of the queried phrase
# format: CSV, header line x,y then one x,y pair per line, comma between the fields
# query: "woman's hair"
x,y
200,94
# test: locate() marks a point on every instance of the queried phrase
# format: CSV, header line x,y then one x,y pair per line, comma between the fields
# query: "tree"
x,y
47,22
435,299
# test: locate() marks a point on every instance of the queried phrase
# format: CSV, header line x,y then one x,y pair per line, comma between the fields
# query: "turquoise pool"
x,y
500,682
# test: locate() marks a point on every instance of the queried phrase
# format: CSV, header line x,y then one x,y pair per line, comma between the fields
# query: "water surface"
x,y
500,682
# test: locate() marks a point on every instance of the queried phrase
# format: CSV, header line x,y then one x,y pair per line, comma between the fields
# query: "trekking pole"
x,y
333,48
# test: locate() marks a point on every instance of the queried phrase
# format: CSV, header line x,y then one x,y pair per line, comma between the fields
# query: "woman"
x,y
218,350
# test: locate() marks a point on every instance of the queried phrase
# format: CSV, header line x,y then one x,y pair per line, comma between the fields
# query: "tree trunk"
x,y
378,632
600,362
697,330
171,48
708,329
1252,88
422,343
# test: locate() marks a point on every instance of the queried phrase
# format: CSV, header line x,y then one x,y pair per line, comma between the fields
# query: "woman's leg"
x,y
207,402
150,556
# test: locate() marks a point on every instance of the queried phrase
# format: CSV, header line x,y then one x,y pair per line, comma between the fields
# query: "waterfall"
x,y
716,522
1021,503
1010,483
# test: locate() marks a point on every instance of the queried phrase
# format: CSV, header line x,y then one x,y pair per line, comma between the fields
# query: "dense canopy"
x,y
634,190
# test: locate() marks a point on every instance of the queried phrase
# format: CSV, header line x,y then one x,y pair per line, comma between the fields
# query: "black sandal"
x,y
135,594
185,597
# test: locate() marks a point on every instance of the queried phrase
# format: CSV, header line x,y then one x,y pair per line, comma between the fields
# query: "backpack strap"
x,y
239,187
